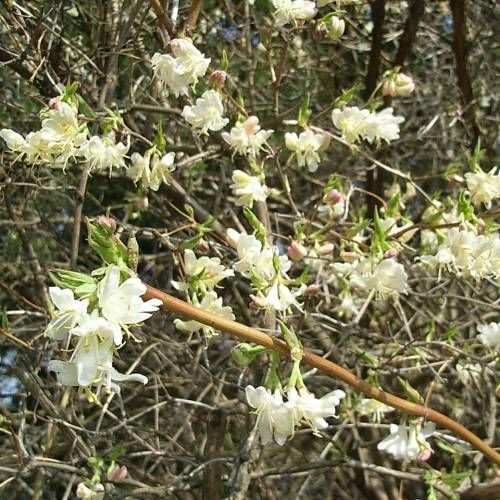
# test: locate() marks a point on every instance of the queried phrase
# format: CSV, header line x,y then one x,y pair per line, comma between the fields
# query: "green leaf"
x,y
304,112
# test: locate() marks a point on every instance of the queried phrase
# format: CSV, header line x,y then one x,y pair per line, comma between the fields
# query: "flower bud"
x,y
334,197
55,103
349,256
296,251
218,78
326,249
117,473
141,202
313,289
336,28
203,245
257,302
107,222
424,455
391,253
398,85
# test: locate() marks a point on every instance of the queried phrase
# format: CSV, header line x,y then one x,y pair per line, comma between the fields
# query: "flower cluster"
x,y
306,147
150,169
357,124
247,138
182,69
293,11
484,187
267,271
489,335
58,140
408,442
207,113
466,254
277,419
98,332
248,188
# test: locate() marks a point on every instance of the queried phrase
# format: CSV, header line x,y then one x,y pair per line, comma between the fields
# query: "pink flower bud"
x,y
118,473
55,103
142,202
313,289
218,78
326,249
334,197
203,245
296,251
257,302
391,253
424,455
349,256
109,222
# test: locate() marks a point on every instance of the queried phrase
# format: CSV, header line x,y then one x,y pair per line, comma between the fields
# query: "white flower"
x,y
369,407
387,278
307,408
94,492
489,334
407,443
383,126
246,138
151,171
14,141
358,124
207,113
306,147
92,323
91,362
206,271
469,373
102,154
122,304
351,121
274,418
279,297
249,249
70,312
212,304
292,11
248,188
347,307
183,69
483,187
61,128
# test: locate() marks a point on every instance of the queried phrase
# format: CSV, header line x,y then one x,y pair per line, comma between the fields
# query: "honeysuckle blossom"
x,y
104,153
205,272
69,312
207,113
483,187
274,418
373,408
122,304
387,278
279,297
182,69
312,411
469,373
91,323
407,442
248,188
256,260
246,138
293,11
306,147
464,253
356,124
91,363
212,304
489,335
151,171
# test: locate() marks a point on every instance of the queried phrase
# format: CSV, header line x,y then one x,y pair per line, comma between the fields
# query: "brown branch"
x,y
249,334
194,13
378,16
463,78
163,18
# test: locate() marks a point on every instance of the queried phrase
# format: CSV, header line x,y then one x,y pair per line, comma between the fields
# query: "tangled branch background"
x,y
324,172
